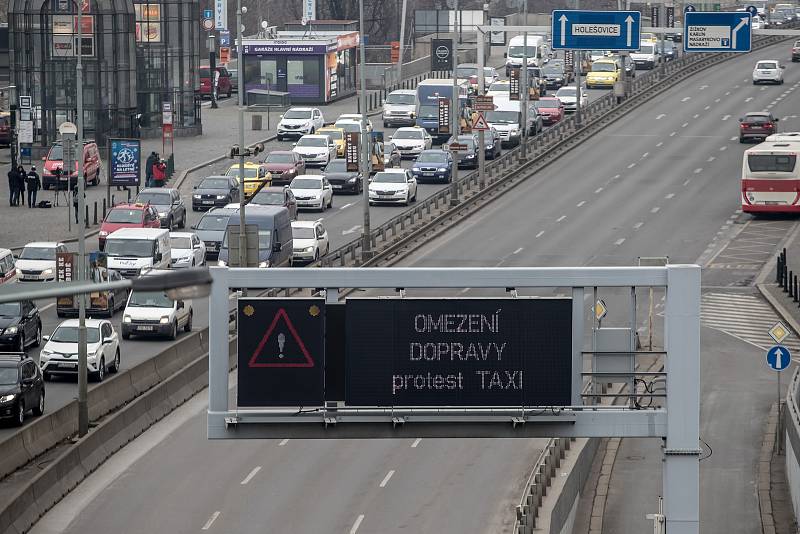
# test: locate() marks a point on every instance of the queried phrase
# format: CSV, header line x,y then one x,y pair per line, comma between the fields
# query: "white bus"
x,y
770,180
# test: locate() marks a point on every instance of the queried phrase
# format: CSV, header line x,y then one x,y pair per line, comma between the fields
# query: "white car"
x,y
153,313
312,191
59,356
568,97
297,122
358,117
310,241
400,107
350,126
187,250
499,88
768,70
397,186
411,141
490,76
756,23
316,150
37,262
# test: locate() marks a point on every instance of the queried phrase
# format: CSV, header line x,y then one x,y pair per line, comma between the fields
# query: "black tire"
x,y
39,408
194,208
386,124
38,340
313,131
101,371
111,307
174,333
47,377
229,93
117,362
96,180
741,139
188,326
19,417
183,221
280,138
21,343
126,335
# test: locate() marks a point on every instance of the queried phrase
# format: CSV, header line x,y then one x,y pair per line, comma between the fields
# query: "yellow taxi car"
x,y
605,72
254,175
337,136
649,38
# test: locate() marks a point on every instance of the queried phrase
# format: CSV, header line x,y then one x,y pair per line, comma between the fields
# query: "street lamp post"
x,y
83,369
455,110
241,151
366,238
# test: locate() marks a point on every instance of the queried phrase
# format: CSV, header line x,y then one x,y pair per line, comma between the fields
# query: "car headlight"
x,y
264,264
514,131
317,195
442,169
182,260
8,398
222,263
352,180
162,213
308,249
11,330
126,318
45,354
196,196
19,271
47,271
220,197
102,233
164,319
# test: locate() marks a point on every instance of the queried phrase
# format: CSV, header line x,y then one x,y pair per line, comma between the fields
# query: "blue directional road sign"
x,y
779,358
716,31
208,13
596,30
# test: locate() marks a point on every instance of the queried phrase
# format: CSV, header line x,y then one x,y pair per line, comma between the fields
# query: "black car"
x,y
168,204
341,179
668,50
211,229
215,191
276,196
554,75
492,143
20,325
21,387
467,158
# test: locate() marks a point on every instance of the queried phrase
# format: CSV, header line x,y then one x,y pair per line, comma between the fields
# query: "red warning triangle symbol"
x,y
275,348
480,123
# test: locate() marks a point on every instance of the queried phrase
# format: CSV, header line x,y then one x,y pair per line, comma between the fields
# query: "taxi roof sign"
x,y
778,332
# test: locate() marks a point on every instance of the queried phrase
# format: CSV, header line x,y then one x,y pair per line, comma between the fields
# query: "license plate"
x,y
336,186
208,202
68,365
427,174
145,328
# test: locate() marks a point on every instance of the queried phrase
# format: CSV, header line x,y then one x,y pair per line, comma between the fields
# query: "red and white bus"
x,y
771,176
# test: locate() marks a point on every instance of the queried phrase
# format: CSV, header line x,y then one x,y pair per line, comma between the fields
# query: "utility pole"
x,y
402,38
481,89
83,367
578,54
455,110
523,103
241,151
212,69
366,243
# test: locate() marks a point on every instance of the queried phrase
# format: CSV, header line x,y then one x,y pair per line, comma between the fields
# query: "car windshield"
x,y
767,65
646,49
751,119
466,72
428,111
408,134
150,299
157,199
464,140
180,242
503,117
306,183
518,51
603,67
137,248
432,157
312,141
489,71
121,215
264,240
500,86
540,104
38,253
214,183
249,172
69,334
349,127
8,376
214,222
9,309
553,70
333,134
279,158
268,198
303,232
390,178
566,91
401,98
297,114
56,153
205,73
595,53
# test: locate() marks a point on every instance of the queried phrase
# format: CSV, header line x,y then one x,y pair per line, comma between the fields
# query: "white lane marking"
x,y
596,191
357,524
723,148
661,116
619,241
734,138
520,249
748,99
581,203
346,206
465,290
43,308
703,87
416,442
638,225
672,134
707,108
695,115
561,218
659,144
726,117
684,99
698,170
249,477
684,125
711,158
685,183
645,155
284,441
615,177
632,165
727,93
352,230
785,118
655,210
386,478
671,195
540,234
211,520
717,99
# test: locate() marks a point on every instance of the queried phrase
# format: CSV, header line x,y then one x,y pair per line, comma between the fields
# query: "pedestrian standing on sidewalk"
x,y
12,185
33,184
148,168
159,173
20,189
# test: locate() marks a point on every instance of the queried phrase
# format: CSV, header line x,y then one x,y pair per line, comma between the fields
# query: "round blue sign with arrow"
x,y
779,358
752,10
689,7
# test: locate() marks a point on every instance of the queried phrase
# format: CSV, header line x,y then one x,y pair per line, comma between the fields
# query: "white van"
x,y
506,119
538,52
130,250
153,313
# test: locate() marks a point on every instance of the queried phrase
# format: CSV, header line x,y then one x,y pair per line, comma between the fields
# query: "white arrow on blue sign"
x,y
208,13
689,8
753,10
778,358
596,30
716,31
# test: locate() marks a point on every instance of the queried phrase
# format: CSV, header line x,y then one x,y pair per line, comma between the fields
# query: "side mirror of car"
x,y
280,117
159,256
179,305
294,144
45,338
741,120
27,381
193,227
776,119
107,341
195,187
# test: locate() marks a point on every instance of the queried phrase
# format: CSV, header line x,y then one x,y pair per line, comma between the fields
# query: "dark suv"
x,y
20,325
21,387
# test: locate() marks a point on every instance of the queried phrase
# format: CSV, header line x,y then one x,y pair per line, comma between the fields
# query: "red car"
x,y
128,216
284,165
224,86
550,108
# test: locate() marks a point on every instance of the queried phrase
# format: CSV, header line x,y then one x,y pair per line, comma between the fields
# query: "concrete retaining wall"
x,y
791,425
563,512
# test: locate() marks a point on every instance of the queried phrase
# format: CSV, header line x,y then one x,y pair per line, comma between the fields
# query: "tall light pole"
x,y
83,368
366,239
455,110
241,151
402,38
523,104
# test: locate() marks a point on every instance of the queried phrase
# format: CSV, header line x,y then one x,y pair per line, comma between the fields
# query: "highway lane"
x,y
581,210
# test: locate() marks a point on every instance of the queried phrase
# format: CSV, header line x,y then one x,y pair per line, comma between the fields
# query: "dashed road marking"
x,y
540,234
386,478
250,476
686,182
661,116
638,225
211,520
671,195
632,165
520,249
723,148
580,204
726,117
561,218
283,442
659,144
619,241
684,125
711,158
357,524
596,191
684,99
645,155
416,443
698,170
655,210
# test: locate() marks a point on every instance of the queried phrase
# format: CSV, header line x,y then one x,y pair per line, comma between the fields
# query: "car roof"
x,y
94,323
329,128
222,211
348,121
410,129
305,224
134,233
43,244
157,190
216,176
181,234
757,113
403,92
314,136
301,109
130,206
246,164
315,176
395,170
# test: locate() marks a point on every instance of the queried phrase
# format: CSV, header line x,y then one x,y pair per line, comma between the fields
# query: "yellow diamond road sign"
x,y
778,332
600,309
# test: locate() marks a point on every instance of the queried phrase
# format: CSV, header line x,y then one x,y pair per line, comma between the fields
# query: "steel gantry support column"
x,y
481,89
681,467
455,110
